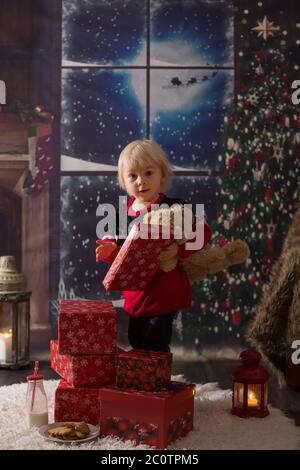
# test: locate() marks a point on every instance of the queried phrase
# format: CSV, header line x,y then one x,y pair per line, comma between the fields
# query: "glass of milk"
x,y
36,401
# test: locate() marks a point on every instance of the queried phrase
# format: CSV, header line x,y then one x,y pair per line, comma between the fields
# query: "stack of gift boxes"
x,y
129,393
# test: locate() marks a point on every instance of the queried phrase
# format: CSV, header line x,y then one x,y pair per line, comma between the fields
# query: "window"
x,y
133,70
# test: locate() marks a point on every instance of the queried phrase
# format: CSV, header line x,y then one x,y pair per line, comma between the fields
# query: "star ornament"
x,y
266,28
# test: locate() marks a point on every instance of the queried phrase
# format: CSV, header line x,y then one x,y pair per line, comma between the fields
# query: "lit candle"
x,y
252,400
5,345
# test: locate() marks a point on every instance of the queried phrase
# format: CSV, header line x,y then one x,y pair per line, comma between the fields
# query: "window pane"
x,y
187,114
80,197
104,32
196,190
191,32
254,395
238,395
102,110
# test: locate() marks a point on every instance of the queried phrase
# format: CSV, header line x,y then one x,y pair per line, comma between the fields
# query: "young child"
x,y
145,172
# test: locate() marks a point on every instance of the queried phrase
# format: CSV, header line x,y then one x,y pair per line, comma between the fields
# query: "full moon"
x,y
171,89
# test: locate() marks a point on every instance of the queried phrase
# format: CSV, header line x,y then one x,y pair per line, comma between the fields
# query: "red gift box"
x,y
83,371
87,327
76,404
155,419
143,370
137,260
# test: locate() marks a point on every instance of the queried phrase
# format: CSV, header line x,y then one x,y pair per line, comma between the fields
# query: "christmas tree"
x,y
259,187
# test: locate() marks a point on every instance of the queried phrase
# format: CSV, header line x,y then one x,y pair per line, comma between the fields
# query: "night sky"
x,y
104,109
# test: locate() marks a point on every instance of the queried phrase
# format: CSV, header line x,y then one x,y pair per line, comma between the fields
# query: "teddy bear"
x,y
208,260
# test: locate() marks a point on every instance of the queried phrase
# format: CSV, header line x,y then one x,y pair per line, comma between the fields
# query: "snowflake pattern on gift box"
x,y
83,332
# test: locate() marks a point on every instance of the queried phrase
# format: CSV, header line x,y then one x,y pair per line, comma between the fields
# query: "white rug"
x,y
215,427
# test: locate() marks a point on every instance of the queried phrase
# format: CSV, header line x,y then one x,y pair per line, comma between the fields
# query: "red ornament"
x,y
268,194
270,245
296,154
236,318
250,387
224,276
231,164
242,208
260,156
222,240
226,304
260,53
253,280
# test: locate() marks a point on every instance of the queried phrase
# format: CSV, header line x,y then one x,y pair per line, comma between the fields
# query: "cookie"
x,y
59,432
82,428
70,431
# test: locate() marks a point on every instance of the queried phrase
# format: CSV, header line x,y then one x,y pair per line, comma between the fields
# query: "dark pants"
x,y
151,333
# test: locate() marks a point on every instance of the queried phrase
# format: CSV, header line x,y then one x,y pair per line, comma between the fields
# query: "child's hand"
x,y
104,249
169,252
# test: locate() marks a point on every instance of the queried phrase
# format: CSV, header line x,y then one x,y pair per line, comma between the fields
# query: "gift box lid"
x,y
149,406
87,306
174,389
144,355
137,260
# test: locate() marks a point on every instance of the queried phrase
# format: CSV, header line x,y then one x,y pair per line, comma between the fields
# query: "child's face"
x,y
143,183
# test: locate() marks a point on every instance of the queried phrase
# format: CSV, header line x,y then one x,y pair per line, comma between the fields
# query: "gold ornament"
x,y
277,152
271,228
266,28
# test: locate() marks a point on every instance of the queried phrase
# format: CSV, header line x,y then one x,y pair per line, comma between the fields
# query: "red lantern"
x,y
250,387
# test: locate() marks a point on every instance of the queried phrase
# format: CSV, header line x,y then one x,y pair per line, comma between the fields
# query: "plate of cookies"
x,y
69,432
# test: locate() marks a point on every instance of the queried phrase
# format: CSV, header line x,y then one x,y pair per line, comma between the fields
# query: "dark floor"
x,y
213,370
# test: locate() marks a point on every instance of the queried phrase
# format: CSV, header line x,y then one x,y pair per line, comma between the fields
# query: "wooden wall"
x,y
30,57
30,50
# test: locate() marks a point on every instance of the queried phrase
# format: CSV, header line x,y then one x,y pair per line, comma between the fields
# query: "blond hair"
x,y
138,154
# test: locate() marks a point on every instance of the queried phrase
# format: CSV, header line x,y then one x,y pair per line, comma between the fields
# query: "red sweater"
x,y
167,292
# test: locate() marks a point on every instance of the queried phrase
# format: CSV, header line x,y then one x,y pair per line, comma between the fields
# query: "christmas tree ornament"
x,y
296,139
266,28
271,228
269,194
254,99
259,173
236,318
277,153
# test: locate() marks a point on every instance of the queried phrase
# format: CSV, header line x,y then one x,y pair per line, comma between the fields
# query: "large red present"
x,y
143,370
155,419
76,404
137,260
86,327
83,371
